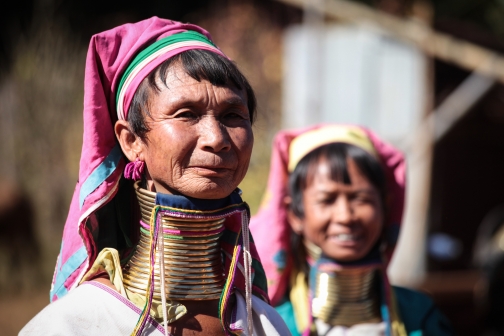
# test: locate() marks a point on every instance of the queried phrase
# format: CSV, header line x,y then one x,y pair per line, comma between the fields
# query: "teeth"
x,y
345,237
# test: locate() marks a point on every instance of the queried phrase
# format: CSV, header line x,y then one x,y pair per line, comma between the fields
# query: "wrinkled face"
x,y
345,221
200,137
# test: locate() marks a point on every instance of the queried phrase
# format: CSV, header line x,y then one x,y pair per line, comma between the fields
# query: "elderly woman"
x,y
327,230
170,251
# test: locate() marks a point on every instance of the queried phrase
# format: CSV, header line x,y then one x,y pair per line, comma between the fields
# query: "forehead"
x,y
179,87
321,175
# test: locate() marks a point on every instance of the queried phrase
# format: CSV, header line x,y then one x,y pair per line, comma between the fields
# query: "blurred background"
x,y
424,74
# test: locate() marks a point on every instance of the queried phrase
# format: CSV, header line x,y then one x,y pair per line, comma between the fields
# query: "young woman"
x,y
170,253
326,232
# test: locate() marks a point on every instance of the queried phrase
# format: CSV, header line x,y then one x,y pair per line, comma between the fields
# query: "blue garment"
x,y
286,311
418,313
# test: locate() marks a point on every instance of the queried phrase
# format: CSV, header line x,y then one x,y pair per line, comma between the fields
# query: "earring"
x,y
134,170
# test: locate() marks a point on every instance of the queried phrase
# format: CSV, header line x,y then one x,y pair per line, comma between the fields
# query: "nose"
x,y
342,211
214,136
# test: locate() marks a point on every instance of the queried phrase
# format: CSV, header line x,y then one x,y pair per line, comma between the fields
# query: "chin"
x,y
345,256
210,192
202,187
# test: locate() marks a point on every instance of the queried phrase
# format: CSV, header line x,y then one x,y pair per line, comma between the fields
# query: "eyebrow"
x,y
371,190
236,100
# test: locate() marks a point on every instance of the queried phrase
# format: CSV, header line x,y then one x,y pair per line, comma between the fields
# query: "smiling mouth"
x,y
346,239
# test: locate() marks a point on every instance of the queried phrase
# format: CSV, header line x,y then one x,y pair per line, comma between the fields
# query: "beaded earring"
x,y
134,170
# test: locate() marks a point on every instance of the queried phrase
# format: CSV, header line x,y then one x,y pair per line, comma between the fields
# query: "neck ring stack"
x,y
346,297
193,268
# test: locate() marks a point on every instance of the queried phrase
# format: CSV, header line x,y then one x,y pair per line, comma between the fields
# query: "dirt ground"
x,y
16,311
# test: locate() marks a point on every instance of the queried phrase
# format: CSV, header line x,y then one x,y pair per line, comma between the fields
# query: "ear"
x,y
131,144
295,222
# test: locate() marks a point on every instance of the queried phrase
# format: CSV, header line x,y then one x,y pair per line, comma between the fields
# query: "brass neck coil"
x,y
346,297
312,250
193,265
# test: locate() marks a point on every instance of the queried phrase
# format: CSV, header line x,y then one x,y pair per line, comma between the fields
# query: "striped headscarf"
x,y
117,62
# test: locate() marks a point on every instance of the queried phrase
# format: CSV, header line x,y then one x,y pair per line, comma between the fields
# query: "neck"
x,y
343,295
191,257
313,252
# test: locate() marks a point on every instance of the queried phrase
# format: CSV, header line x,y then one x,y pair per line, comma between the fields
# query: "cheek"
x,y
157,162
315,223
373,221
243,140
168,147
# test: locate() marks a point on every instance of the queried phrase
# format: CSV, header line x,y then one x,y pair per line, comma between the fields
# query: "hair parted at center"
x,y
200,65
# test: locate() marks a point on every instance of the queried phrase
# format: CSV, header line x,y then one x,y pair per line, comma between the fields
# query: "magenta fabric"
x,y
102,162
271,229
134,170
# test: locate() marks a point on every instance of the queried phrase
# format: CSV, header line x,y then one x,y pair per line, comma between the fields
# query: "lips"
x,y
210,170
212,167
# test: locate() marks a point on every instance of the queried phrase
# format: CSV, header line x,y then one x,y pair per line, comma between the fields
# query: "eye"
x,y
326,200
364,198
232,115
186,114
235,115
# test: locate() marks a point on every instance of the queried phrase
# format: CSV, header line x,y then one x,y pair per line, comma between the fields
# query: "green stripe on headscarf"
x,y
180,37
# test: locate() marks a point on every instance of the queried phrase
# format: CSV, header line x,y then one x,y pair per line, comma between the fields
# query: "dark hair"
x,y
200,65
337,155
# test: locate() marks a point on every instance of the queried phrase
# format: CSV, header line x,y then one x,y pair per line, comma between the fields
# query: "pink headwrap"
x,y
102,162
271,229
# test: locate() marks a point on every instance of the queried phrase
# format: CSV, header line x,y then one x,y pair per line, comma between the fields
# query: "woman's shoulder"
x,y
90,309
419,313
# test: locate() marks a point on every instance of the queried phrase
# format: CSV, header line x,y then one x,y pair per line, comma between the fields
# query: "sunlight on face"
x,y
200,139
345,221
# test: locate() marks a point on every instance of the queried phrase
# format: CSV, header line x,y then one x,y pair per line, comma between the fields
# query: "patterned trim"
x,y
228,287
126,302
210,214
